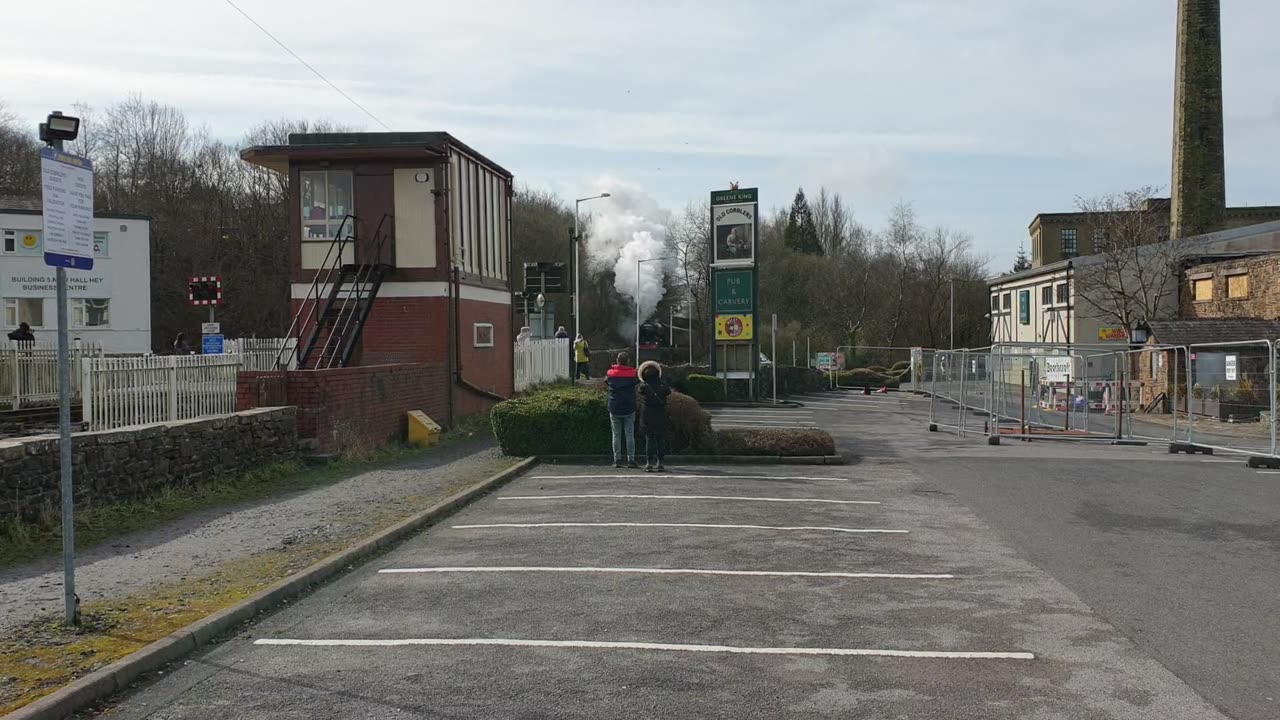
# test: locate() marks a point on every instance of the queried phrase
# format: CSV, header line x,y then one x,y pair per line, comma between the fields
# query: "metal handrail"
x,y
313,293
363,273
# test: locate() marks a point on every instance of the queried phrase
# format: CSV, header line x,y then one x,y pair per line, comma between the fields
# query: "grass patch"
x,y
22,542
42,656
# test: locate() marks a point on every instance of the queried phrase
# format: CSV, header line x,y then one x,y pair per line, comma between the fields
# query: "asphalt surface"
x,y
1075,595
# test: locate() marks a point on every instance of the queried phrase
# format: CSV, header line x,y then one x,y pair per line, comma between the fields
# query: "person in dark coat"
x,y
23,334
654,391
181,346
622,381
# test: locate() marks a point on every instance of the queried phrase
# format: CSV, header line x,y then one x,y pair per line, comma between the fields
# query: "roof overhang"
x,y
280,157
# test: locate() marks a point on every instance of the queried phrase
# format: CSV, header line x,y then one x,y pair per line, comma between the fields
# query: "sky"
x,y
980,113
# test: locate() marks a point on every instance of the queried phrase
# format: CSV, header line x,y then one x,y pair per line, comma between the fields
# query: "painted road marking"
x,y
677,571
674,647
677,525
1224,460
1269,472
692,497
680,477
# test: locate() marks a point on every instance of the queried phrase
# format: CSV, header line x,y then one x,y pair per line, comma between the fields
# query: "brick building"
x,y
1061,236
400,250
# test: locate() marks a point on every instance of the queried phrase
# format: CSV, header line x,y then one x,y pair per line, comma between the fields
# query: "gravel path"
x,y
198,543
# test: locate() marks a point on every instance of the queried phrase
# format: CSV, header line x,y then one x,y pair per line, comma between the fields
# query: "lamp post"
x,y
55,130
577,261
638,264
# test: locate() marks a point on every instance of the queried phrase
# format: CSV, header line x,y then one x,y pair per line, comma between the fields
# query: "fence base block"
x,y
993,439
1271,463
1189,448
933,427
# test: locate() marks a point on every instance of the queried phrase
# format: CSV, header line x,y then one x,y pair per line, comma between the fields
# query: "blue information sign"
x,y
211,345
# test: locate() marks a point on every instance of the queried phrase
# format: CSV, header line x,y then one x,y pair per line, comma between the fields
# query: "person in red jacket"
x,y
622,382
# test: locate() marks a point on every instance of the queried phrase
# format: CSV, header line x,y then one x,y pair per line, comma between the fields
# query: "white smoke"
x,y
628,226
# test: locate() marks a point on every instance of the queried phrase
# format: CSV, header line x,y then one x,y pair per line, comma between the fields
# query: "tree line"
x,y
830,279
211,213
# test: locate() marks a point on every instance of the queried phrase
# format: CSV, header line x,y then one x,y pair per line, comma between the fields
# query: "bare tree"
x,y
901,243
1133,275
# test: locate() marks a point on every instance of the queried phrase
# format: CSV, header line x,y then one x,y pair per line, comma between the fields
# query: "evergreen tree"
x,y
1022,262
801,233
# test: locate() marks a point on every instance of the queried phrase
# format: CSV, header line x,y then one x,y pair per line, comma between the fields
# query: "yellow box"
x,y
423,431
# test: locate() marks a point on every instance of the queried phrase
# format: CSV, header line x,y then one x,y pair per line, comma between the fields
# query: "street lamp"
x,y
638,264
577,262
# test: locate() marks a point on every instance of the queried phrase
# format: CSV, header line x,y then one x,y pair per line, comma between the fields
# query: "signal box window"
x,y
326,200
1202,289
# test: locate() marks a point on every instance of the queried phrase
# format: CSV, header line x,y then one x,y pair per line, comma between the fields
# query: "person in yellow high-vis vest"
x,y
581,358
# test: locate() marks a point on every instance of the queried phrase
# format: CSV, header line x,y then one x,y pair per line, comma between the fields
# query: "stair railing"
x,y
354,295
324,275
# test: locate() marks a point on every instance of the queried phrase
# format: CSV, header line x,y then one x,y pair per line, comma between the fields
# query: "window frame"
x,y
1062,293
1196,284
330,224
17,316
1071,234
79,309
1006,301
1232,276
1046,295
475,335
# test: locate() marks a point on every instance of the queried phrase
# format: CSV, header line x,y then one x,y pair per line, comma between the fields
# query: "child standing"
x,y
654,390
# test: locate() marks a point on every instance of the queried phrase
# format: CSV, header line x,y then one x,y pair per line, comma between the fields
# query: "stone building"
x,y
1061,236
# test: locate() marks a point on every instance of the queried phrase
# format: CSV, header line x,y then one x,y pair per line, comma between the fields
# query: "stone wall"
x,y
126,464
1262,300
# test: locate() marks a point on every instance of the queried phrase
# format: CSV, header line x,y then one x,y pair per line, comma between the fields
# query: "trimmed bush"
x,y
792,380
865,377
688,426
575,421
774,442
878,368
704,388
569,421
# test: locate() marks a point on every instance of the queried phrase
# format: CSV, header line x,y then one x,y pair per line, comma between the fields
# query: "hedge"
x,y
781,442
865,377
704,388
575,421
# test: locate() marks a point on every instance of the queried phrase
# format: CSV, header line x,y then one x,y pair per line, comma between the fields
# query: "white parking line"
x,y
676,571
692,497
1269,472
673,647
1224,460
680,477
675,525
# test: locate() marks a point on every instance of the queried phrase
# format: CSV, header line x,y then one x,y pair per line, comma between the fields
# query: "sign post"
x,y
66,183
773,369
734,251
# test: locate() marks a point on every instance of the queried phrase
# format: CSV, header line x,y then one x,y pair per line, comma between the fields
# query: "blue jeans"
x,y
624,426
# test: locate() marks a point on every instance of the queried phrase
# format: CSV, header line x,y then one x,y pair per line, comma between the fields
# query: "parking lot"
x,y
854,591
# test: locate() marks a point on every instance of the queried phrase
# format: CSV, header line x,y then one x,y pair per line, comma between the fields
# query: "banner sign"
x,y
733,327
1057,369
1113,333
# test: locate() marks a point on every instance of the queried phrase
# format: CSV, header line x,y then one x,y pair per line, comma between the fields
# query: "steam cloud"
x,y
626,227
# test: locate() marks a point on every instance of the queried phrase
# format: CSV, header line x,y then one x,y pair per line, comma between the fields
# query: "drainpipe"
x,y
448,256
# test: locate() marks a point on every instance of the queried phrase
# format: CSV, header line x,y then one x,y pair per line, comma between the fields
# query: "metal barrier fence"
x,y
1219,396
880,361
125,391
541,361
29,372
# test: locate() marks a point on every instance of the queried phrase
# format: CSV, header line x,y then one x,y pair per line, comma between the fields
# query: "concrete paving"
x,y
507,632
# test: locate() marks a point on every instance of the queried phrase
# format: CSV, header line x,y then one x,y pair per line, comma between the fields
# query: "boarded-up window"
x,y
1202,289
1238,286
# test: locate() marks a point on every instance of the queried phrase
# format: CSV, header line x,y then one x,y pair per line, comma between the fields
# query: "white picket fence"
x,y
29,372
261,353
541,361
121,391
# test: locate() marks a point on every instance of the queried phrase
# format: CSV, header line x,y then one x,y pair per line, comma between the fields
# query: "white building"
x,y
109,305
